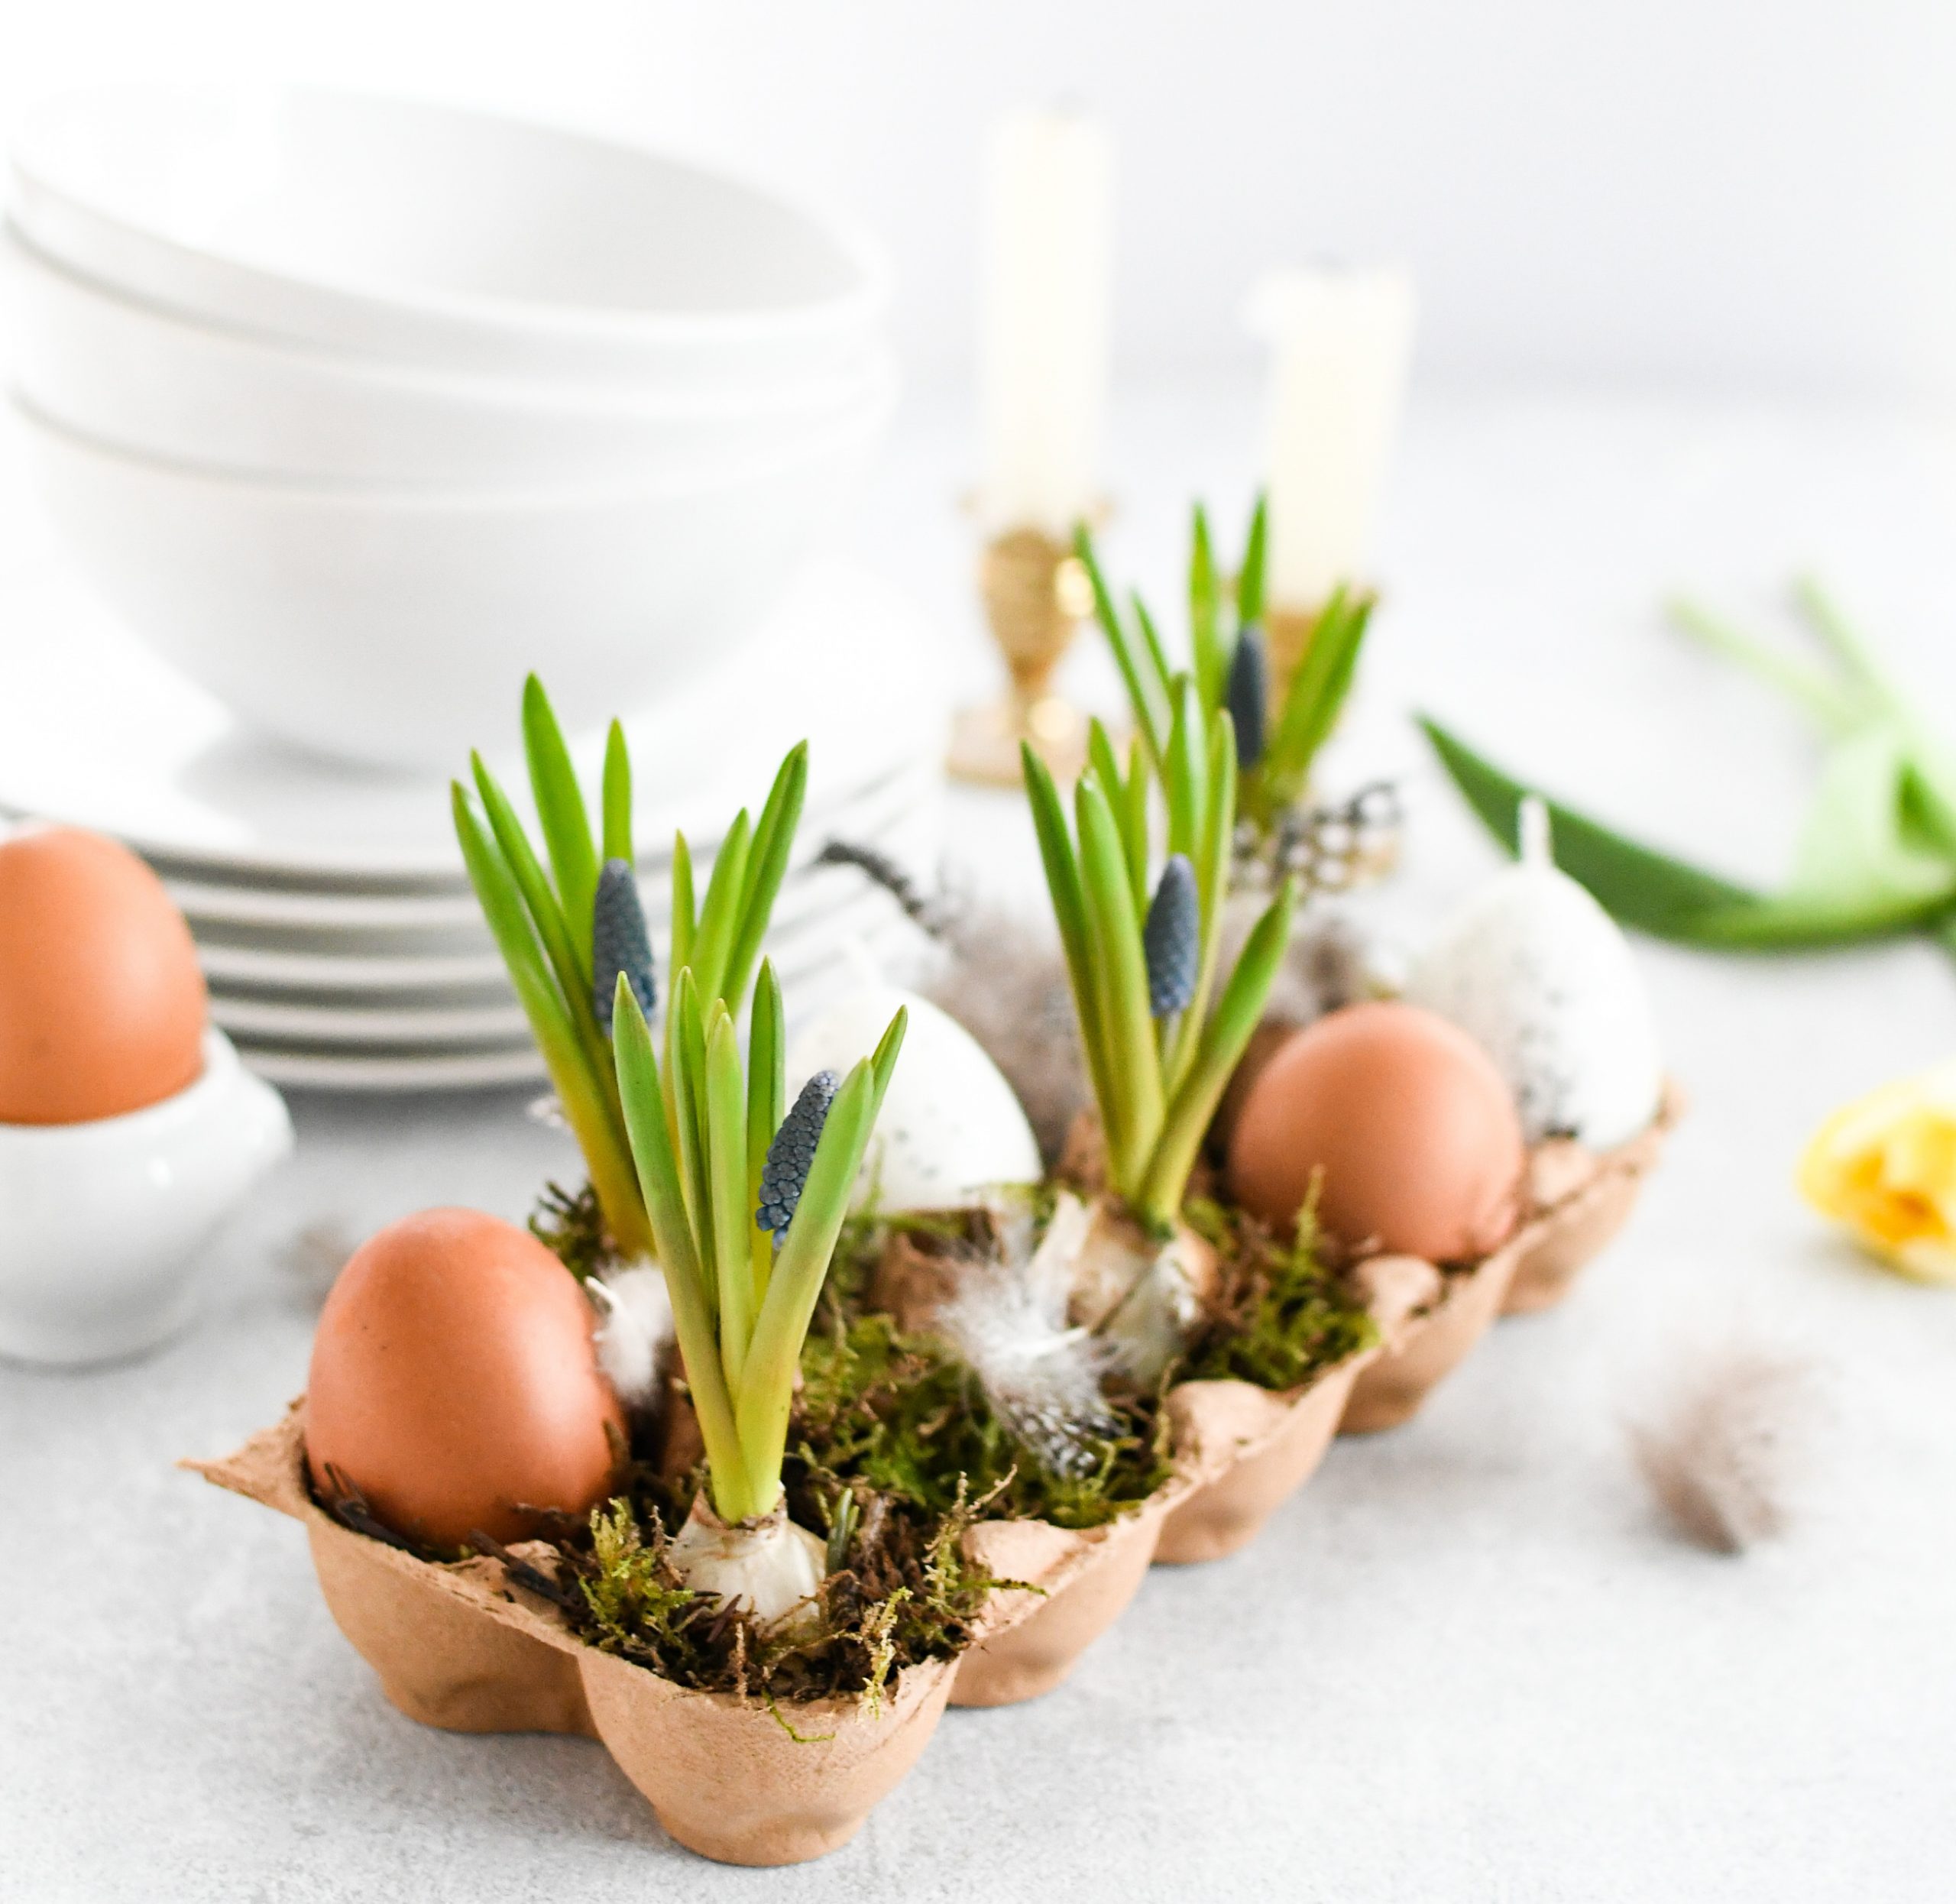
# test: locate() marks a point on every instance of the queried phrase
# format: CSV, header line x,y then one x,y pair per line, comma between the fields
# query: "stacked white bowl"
x,y
358,409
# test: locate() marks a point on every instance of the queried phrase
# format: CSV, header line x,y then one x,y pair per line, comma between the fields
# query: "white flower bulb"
x,y
772,1567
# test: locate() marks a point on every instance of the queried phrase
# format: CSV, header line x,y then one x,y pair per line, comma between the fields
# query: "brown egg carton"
x,y
1577,1201
1587,1196
465,1647
1239,1452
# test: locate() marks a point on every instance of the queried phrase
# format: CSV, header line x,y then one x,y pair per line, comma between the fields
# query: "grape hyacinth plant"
x,y
569,921
1142,958
1280,725
745,1205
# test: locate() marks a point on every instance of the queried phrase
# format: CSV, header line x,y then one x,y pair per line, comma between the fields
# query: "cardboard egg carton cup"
x,y
468,1646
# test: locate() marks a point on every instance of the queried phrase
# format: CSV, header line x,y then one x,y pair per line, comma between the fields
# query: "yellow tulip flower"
x,y
1885,1165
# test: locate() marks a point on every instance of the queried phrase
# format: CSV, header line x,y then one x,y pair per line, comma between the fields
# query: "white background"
x,y
1755,194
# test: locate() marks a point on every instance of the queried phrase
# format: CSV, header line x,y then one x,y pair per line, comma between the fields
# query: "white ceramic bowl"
x,y
102,1225
138,378
396,628
440,237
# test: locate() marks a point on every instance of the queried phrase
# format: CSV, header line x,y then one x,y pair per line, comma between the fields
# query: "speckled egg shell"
x,y
951,1127
454,1382
1540,977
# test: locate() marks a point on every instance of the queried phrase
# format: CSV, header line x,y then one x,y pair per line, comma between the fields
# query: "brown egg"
x,y
102,1004
453,1382
1413,1128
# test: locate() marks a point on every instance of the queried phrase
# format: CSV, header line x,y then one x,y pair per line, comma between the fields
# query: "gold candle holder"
x,y
1036,593
1287,633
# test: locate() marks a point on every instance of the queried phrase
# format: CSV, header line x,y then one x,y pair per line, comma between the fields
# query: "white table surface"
x,y
1469,1661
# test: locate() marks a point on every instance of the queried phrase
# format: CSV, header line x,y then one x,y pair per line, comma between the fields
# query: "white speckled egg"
x,y
949,1128
1540,975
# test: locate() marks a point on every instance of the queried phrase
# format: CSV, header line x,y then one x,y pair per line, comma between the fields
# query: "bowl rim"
x,y
406,499
36,168
793,400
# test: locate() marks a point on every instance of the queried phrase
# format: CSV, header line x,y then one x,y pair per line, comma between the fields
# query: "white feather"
x,y
634,1332
1008,1322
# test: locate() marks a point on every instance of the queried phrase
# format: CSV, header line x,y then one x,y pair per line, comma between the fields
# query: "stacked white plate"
x,y
356,409
342,944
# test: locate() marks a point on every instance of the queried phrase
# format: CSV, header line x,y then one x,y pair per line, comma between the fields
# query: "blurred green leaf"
x,y
720,911
766,866
553,784
1855,846
1147,691
1210,652
1134,1063
618,798
1633,883
1250,577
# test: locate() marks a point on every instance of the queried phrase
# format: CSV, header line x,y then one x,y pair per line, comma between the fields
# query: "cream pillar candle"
x,y
1341,346
1043,337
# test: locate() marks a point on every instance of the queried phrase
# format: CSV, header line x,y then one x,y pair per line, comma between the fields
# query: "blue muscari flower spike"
x,y
618,942
1249,696
792,1153
1172,939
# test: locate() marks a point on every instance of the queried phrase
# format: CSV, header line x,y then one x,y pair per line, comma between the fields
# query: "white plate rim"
x,y
878,810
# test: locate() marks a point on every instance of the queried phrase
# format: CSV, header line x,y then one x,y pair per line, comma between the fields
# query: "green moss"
x,y
899,1591
1282,1314
895,1451
901,1414
572,1227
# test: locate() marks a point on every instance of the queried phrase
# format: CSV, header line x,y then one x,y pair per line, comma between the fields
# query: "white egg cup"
x,y
103,1224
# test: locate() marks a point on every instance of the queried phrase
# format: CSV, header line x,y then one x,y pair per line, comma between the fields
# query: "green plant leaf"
x,y
1062,884
767,1104
1823,699
1317,690
1639,886
1212,655
1794,924
1855,846
684,918
686,1280
1866,674
1250,577
726,1156
618,797
774,1356
1224,1040
685,1065
1147,694
1158,657
719,912
585,1094
1100,754
546,914
1211,861
1101,758
1184,782
1132,814
1930,766
1128,1025
766,866
553,784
